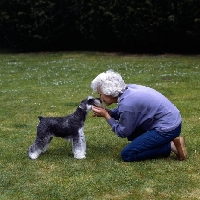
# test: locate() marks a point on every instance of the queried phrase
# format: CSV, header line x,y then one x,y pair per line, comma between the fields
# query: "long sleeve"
x,y
125,126
143,107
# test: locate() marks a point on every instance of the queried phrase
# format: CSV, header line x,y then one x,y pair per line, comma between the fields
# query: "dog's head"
x,y
87,104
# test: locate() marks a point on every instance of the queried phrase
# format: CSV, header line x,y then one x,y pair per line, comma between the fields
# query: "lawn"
x,y
53,84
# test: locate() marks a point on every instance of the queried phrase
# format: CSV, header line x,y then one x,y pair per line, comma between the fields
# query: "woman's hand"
x,y
100,112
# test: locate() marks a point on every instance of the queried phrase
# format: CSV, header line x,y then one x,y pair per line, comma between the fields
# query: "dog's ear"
x,y
40,118
98,103
90,97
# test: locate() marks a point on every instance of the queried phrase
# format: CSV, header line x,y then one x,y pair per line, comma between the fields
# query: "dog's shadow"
x,y
58,150
61,149
71,104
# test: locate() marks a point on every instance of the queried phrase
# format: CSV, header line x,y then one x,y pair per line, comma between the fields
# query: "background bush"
x,y
135,26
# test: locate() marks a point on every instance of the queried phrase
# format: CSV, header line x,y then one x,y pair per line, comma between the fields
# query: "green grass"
x,y
52,84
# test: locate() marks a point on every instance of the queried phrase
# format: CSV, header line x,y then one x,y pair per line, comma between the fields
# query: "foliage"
x,y
139,25
37,24
52,84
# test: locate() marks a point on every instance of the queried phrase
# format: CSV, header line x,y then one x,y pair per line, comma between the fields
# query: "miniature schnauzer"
x,y
70,127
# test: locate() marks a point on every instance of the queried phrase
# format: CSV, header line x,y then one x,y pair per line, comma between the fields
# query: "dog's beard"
x,y
98,103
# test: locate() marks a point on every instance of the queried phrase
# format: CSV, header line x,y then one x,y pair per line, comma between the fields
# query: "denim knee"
x,y
126,156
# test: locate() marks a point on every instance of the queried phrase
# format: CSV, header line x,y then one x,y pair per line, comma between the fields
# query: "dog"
x,y
70,127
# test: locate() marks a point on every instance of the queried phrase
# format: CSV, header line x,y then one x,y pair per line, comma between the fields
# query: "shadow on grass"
x,y
72,104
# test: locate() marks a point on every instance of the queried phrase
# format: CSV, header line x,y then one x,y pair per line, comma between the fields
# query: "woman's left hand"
x,y
100,112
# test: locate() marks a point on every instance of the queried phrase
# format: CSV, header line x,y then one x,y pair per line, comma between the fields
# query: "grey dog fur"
x,y
70,127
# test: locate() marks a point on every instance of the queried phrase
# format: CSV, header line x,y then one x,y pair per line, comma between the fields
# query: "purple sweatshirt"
x,y
143,107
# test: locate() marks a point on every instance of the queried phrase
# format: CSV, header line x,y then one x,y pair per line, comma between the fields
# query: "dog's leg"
x,y
40,145
79,145
47,145
34,152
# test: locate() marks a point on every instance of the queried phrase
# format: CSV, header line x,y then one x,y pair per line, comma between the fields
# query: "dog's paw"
x,y
33,156
80,156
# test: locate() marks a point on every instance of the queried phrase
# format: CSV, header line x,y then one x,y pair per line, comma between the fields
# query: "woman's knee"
x,y
126,156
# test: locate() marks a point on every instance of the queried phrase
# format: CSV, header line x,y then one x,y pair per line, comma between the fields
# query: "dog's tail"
x,y
40,117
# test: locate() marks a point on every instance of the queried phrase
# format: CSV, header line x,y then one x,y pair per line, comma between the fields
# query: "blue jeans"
x,y
150,144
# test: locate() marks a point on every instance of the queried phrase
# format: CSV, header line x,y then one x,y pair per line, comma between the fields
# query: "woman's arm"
x,y
101,112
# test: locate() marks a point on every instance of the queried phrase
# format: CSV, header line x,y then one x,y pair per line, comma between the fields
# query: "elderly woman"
x,y
144,116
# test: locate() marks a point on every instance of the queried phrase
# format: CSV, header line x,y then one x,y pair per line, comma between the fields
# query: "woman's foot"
x,y
179,148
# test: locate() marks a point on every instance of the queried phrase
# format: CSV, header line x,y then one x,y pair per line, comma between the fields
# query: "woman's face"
x,y
107,99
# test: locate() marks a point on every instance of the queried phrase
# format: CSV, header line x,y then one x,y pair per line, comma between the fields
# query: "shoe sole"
x,y
181,148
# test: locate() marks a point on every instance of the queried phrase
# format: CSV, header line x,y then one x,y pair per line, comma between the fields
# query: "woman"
x,y
144,116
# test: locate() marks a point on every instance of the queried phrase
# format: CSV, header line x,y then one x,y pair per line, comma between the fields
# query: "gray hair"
x,y
109,83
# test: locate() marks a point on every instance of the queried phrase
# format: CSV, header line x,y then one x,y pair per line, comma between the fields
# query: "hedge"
x,y
128,25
